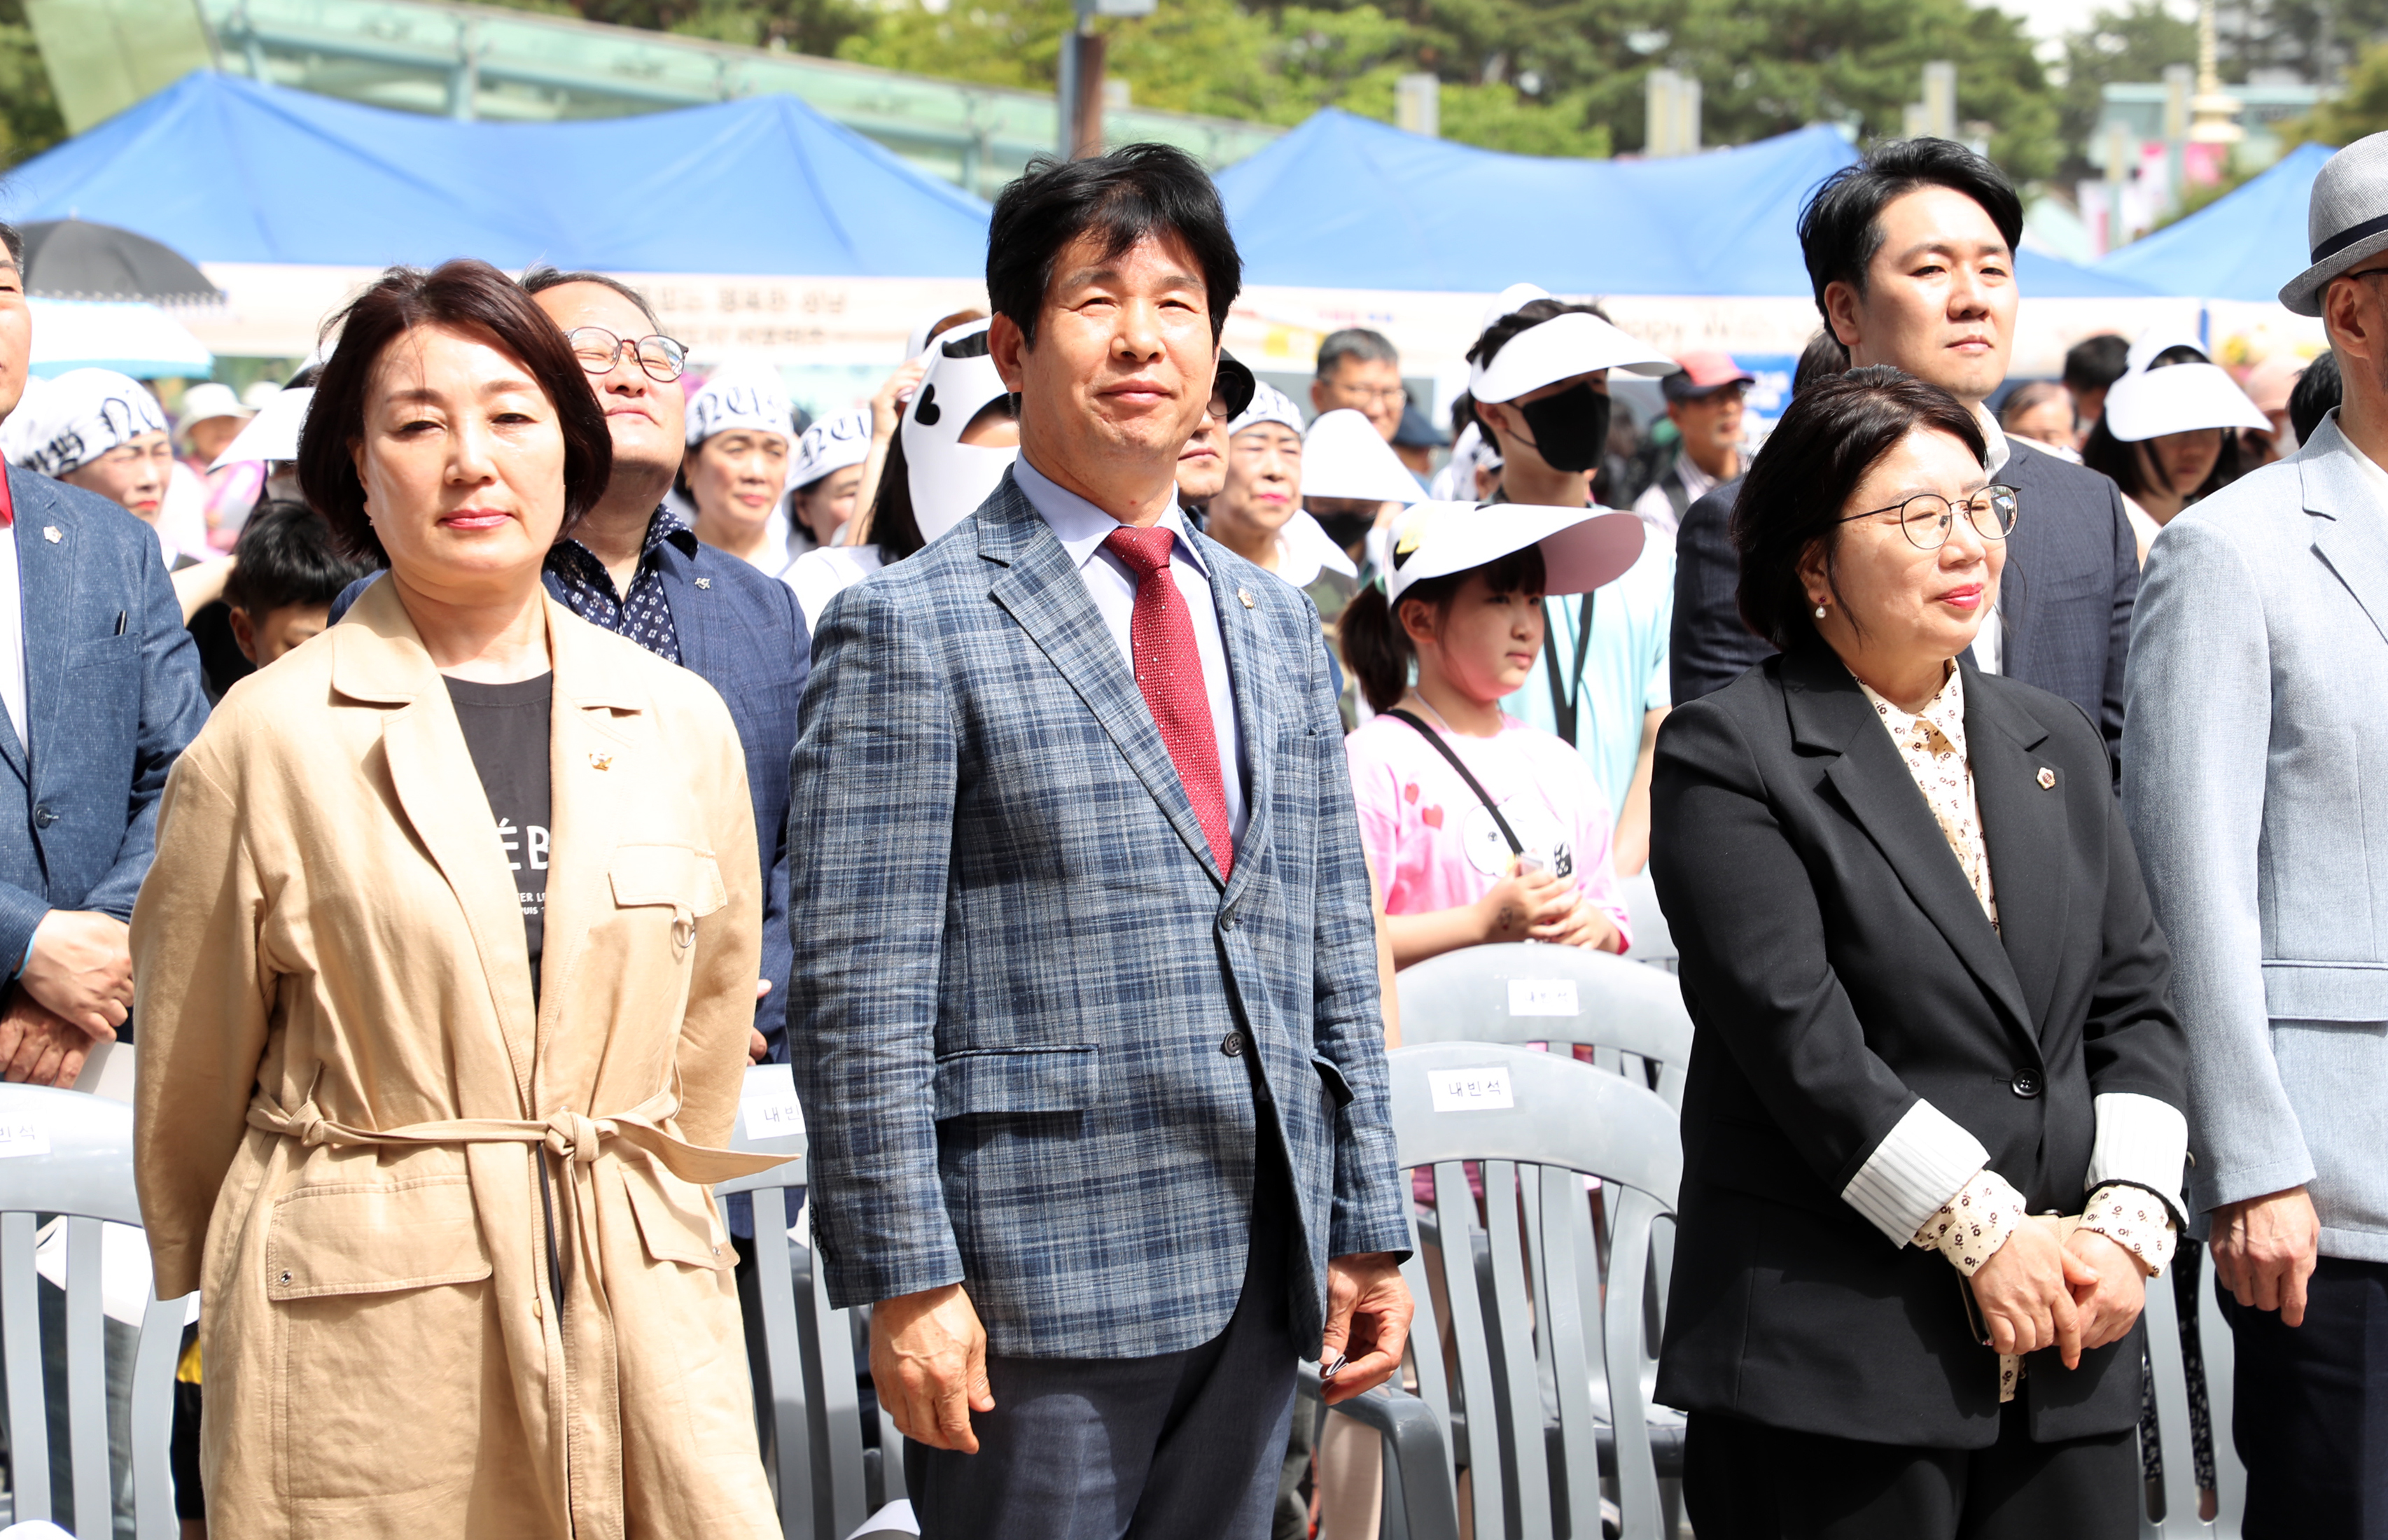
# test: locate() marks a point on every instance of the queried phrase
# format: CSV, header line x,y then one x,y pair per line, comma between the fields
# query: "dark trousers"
x,y
1178,1447
2309,1412
1745,1482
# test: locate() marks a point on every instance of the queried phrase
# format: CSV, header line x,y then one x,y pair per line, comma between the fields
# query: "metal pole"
x,y
1088,117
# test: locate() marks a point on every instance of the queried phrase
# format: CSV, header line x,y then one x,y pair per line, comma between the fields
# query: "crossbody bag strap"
x,y
1517,846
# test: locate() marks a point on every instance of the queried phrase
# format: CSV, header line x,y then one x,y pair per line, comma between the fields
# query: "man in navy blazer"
x,y
1911,253
1093,1064
634,568
101,685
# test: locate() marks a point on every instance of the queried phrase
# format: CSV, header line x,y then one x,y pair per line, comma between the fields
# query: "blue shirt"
x,y
1622,676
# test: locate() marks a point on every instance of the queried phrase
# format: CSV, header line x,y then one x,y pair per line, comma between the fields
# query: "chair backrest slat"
x,y
1456,1212
837,1431
153,1420
778,1282
21,1344
87,1378
1629,1404
1570,1301
1510,1313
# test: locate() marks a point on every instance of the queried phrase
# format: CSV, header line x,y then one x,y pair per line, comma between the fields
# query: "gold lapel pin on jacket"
x,y
602,761
50,533
2047,779
1247,598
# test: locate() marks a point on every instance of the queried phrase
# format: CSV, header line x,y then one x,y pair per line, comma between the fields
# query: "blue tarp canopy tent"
x,y
1345,202
2243,245
226,170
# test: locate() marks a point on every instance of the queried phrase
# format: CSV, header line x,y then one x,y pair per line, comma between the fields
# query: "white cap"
x,y
78,416
2151,400
947,477
748,397
829,445
1582,548
273,434
1565,346
1343,455
205,402
1269,404
257,394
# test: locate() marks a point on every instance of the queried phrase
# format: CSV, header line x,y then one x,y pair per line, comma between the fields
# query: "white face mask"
x,y
949,478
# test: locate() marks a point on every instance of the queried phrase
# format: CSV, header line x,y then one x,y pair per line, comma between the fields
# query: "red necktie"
x,y
1169,671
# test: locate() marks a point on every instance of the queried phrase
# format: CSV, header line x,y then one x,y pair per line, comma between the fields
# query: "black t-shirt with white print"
x,y
506,728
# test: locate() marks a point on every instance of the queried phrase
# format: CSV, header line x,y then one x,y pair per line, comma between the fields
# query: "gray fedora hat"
x,y
2346,222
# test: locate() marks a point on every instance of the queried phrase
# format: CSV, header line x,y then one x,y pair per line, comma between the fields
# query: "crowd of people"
x,y
503,738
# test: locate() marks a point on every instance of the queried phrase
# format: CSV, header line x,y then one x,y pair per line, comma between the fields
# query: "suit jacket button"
x,y
1232,1045
45,817
2025,1083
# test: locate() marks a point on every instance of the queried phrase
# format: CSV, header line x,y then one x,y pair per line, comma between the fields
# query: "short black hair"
x,y
2317,390
468,295
1800,483
1824,356
15,242
1136,191
1840,226
539,279
285,556
2095,363
1358,343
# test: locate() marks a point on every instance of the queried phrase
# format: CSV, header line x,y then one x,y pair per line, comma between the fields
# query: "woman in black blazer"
x,y
1932,1020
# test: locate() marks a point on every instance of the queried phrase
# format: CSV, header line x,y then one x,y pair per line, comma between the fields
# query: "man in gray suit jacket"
x,y
2255,787
1087,1032
99,692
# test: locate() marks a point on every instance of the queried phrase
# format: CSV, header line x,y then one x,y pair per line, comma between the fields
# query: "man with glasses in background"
x,y
1358,368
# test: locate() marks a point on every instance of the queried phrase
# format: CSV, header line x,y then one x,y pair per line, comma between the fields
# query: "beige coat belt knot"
x,y
564,1133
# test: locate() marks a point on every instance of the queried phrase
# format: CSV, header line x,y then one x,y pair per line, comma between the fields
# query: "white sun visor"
x,y
273,434
1560,348
2178,397
1582,548
1343,455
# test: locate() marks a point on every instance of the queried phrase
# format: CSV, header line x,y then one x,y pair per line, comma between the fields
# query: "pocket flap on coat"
x,y
373,1238
1016,1080
1336,1086
676,1220
670,874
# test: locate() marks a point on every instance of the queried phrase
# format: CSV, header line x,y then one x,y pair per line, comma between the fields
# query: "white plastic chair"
x,y
828,1484
1633,1018
1548,1327
1653,943
70,1155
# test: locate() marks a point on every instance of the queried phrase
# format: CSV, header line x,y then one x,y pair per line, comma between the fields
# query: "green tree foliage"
x,y
29,114
1214,57
805,26
2135,44
2360,108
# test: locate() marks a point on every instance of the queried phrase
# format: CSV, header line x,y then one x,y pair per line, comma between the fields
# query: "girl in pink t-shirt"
x,y
1452,874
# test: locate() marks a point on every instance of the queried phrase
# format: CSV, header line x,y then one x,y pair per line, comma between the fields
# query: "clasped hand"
x,y
2035,1293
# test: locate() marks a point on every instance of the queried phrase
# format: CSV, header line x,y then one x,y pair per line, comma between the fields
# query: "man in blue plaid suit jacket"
x,y
1098,1119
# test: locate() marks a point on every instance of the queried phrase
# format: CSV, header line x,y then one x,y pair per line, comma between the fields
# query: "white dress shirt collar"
x,y
1080,526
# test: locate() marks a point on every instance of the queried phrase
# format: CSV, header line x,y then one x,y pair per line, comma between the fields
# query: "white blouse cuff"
x,y
1919,1165
2141,1142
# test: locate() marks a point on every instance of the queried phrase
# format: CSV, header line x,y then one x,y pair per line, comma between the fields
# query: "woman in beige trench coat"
x,y
459,1274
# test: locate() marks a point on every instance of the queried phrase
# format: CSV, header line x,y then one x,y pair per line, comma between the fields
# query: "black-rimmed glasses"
x,y
1926,518
599,350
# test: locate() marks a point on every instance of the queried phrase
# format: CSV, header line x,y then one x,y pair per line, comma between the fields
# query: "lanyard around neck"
x,y
1564,706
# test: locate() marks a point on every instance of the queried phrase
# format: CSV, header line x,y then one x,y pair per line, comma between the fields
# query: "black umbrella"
x,y
72,258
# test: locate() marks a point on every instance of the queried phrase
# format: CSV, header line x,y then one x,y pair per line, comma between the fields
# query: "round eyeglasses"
x,y
1926,518
599,350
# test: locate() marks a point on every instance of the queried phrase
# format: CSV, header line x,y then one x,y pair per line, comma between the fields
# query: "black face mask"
x,y
1346,530
1571,428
